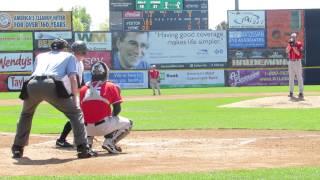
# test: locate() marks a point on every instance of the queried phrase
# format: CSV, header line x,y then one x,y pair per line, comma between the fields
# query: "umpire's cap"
x,y
79,47
99,71
59,44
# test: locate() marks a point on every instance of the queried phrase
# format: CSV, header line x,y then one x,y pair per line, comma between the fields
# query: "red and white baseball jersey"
x,y
154,74
294,56
95,109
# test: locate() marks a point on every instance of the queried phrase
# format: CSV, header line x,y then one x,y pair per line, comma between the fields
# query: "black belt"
x,y
43,77
96,124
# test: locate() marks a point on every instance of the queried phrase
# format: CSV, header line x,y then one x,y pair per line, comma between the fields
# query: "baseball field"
x,y
186,133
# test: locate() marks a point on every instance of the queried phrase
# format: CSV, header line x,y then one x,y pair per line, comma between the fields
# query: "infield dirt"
x,y
149,152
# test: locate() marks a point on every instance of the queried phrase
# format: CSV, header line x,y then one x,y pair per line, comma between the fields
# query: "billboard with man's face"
x,y
169,49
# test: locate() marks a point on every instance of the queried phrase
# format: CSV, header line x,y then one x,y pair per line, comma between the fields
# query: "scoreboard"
x,y
161,5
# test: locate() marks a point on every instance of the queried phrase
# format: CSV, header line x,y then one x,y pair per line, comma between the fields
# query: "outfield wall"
x,y
250,53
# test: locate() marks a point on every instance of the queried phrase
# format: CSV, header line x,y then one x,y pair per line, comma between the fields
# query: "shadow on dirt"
x,y
28,161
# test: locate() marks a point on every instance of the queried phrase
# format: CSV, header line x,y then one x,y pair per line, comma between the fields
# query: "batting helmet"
x,y
99,71
59,44
79,47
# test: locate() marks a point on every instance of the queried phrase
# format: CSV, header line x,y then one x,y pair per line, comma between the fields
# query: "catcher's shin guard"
x,y
121,133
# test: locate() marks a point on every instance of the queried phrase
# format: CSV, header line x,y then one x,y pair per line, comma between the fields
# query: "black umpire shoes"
x,y
17,151
84,151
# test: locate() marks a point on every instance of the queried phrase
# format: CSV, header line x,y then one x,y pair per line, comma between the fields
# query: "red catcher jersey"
x,y
292,54
96,110
154,74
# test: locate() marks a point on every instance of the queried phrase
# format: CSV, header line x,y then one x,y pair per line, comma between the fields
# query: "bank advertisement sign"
x,y
125,79
15,82
96,41
30,21
20,62
247,39
183,47
246,19
257,77
191,78
16,41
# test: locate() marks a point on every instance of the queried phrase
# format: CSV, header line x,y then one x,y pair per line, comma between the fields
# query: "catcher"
x,y
96,99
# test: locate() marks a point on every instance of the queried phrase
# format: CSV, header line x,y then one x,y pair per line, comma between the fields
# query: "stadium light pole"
x,y
236,3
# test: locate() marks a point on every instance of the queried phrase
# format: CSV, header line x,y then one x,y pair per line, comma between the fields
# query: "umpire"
x,y
45,85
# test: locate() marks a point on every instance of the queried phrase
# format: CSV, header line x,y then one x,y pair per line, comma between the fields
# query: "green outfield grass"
x,y
188,114
180,114
146,92
274,174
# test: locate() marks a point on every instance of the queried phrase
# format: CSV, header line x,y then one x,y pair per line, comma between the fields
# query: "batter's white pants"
x,y
295,70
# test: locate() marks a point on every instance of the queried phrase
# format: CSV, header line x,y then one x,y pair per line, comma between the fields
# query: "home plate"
x,y
278,102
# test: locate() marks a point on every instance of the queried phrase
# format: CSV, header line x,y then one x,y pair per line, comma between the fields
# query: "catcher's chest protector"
x,y
94,94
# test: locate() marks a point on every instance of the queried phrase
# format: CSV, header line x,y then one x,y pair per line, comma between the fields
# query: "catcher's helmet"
x,y
99,71
79,47
59,44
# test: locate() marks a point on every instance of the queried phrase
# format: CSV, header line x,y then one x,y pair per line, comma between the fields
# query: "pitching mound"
x,y
168,152
278,102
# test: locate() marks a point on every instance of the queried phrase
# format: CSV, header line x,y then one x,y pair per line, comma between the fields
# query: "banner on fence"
x,y
191,78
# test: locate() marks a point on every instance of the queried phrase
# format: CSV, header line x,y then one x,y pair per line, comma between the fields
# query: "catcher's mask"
x,y
79,47
99,71
59,44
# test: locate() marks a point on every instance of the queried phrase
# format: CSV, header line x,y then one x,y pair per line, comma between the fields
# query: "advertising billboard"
x,y
281,23
257,77
184,49
95,56
96,41
16,41
15,82
37,20
271,57
195,5
20,62
159,5
246,19
121,5
3,82
43,39
191,78
247,39
125,79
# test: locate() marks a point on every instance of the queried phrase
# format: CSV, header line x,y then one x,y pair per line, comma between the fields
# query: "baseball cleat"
x,y
111,147
63,144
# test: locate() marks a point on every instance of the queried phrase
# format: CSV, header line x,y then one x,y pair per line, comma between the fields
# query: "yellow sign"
x,y
29,21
